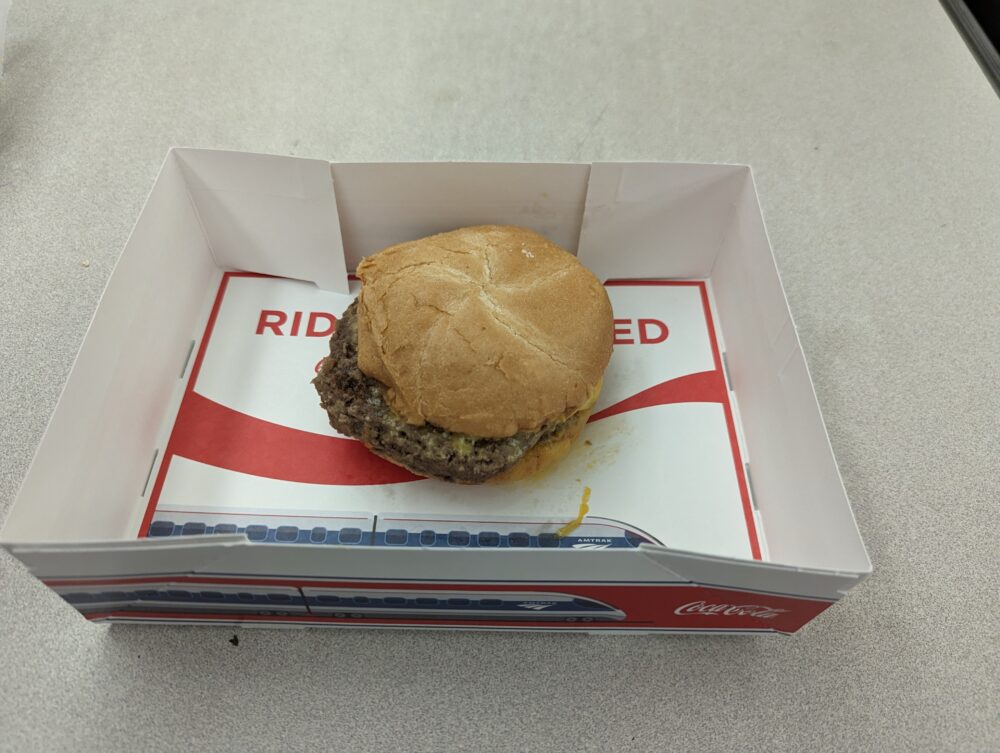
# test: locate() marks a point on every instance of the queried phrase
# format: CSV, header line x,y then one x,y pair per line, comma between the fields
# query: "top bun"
x,y
487,330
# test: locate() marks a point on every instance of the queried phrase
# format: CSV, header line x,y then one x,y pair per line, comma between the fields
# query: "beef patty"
x,y
357,407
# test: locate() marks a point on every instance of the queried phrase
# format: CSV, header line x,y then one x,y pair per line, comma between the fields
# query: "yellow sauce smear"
x,y
567,529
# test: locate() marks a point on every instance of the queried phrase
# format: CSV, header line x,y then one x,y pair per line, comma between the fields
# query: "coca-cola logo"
x,y
730,610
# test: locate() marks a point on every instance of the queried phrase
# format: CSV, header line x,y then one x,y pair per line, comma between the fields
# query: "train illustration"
x,y
336,602
186,597
483,605
387,531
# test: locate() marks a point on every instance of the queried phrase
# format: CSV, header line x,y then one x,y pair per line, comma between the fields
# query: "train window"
x,y
114,596
224,528
179,594
286,533
489,538
427,538
78,598
491,602
426,601
318,535
213,596
394,601
635,539
458,602
548,539
162,528
147,594
361,599
256,533
458,538
396,536
350,535
279,597
587,604
245,596
518,539
193,529
327,599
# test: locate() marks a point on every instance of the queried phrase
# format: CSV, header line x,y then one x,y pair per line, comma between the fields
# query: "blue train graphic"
x,y
483,605
186,597
594,533
338,603
264,533
461,537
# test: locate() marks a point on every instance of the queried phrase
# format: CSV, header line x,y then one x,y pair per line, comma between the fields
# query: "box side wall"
x,y
225,578
90,469
796,482
384,204
654,220
168,581
617,609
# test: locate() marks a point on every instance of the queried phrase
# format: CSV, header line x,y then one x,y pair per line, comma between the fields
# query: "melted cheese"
x,y
462,444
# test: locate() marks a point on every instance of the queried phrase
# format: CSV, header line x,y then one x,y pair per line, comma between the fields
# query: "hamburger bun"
x,y
486,331
471,356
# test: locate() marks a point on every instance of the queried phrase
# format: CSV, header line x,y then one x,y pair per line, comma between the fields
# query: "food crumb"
x,y
588,443
85,263
235,640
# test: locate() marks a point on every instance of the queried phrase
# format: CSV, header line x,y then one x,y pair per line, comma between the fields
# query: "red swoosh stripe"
x,y
210,433
703,387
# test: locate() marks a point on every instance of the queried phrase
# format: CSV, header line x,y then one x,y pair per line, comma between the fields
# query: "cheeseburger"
x,y
470,356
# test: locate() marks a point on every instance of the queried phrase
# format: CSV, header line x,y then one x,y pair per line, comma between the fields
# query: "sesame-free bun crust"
x,y
487,330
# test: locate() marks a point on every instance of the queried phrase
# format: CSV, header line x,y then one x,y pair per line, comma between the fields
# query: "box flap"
x,y
235,555
125,558
268,214
745,575
382,204
649,220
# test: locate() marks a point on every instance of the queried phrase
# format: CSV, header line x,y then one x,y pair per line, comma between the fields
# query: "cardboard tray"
x,y
189,475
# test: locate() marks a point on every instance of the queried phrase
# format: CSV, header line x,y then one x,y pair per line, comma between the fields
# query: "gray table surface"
x,y
875,141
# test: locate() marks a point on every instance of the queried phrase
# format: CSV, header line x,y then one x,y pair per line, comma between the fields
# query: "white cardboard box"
x,y
188,473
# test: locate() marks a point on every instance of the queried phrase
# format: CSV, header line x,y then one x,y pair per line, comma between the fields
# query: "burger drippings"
x,y
567,529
